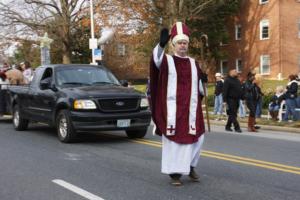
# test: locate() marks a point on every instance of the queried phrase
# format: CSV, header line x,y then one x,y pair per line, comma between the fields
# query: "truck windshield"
x,y
82,76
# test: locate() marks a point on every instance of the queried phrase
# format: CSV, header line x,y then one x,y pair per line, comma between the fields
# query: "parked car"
x,y
78,98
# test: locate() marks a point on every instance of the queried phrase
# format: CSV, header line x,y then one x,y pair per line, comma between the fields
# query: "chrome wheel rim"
x,y
63,127
16,118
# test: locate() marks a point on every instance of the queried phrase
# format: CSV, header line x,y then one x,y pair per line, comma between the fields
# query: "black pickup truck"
x,y
77,98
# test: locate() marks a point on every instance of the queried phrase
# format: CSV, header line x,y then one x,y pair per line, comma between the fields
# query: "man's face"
x,y
181,47
233,73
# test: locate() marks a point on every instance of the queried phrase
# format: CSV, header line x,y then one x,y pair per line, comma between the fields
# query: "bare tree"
x,y
58,17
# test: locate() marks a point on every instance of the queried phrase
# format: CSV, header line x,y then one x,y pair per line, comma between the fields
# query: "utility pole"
x,y
93,41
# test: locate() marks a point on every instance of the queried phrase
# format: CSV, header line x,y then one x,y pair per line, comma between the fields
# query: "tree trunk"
x,y
66,58
66,54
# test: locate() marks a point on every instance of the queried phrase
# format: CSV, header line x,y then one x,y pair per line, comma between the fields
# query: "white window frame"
x,y
121,48
237,67
262,24
222,68
261,64
238,30
263,2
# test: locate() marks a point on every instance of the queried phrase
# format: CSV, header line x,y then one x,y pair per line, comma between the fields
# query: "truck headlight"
x,y
144,103
84,104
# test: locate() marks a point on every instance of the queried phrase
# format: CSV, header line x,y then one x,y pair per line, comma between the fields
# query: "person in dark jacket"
x,y
3,93
232,94
260,94
218,106
251,98
290,98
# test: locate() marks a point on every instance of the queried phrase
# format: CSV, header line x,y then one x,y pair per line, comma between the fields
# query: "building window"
x,y
121,49
264,29
263,1
299,28
224,67
265,64
239,65
238,32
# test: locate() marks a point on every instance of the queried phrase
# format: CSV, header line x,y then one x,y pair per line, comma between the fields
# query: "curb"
x,y
263,127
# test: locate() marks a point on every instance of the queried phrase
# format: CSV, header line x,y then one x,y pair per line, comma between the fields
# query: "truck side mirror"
x,y
124,83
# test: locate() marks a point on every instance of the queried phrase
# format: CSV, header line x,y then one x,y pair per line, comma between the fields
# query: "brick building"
x,y
123,57
265,36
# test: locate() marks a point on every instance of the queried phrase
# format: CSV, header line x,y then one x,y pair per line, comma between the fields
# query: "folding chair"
x,y
281,111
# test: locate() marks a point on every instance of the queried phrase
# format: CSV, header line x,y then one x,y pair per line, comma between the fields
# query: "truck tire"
x,y
139,133
19,123
65,130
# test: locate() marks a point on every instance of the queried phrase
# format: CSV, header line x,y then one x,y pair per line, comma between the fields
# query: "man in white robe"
x,y
175,85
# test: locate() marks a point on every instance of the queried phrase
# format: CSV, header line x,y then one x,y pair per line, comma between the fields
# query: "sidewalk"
x,y
263,127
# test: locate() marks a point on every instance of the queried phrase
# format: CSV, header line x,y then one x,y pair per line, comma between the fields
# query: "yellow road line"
x,y
232,158
253,160
237,157
251,163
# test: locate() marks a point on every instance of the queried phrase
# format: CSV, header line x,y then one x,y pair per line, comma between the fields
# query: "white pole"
x,y
92,29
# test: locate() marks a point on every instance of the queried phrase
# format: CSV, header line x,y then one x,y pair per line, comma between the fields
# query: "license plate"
x,y
123,123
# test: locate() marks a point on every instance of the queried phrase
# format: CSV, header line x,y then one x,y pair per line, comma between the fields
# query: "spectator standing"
x,y
298,92
290,98
15,76
218,106
242,109
251,98
5,67
27,71
3,91
258,111
232,94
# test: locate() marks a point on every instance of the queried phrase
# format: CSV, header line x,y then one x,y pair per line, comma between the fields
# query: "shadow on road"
x,y
83,137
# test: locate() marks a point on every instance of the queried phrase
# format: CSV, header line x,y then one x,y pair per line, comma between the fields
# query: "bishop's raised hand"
x,y
164,37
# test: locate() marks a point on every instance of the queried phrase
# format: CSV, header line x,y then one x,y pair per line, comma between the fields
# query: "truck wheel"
x,y
140,133
19,123
65,130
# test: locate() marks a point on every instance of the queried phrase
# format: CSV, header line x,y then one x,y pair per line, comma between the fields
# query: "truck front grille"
x,y
119,105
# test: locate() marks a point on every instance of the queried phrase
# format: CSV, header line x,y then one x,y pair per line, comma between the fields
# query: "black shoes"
x,y
193,175
238,130
175,179
176,182
228,129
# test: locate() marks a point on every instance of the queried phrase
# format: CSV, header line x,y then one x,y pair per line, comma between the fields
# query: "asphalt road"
x,y
34,165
